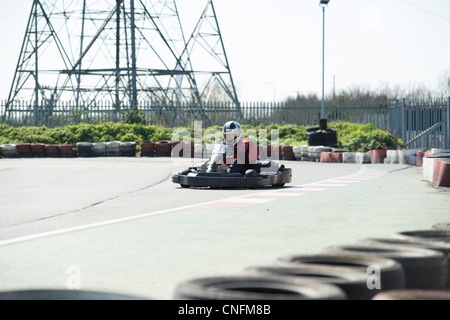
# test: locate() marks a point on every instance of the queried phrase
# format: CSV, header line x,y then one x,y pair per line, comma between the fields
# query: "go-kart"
x,y
262,174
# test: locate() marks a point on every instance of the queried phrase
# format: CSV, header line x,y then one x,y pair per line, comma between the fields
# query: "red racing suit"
x,y
245,153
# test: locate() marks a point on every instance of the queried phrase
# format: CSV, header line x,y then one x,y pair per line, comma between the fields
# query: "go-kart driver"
x,y
236,152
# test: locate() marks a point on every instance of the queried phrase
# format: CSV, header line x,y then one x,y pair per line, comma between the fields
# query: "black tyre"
x,y
424,269
442,226
352,282
410,294
329,137
391,272
244,287
279,185
314,138
51,294
431,235
444,248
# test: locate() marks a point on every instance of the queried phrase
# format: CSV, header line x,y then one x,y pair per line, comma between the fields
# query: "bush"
x,y
351,136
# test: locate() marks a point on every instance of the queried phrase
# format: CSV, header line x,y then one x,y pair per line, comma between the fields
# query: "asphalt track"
x,y
124,227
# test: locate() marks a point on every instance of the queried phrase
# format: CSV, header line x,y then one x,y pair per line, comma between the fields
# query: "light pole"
x,y
323,4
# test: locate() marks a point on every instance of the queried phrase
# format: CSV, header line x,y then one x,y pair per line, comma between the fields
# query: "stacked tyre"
x,y
99,149
52,150
315,151
314,137
38,150
297,150
24,150
147,149
127,149
113,148
198,150
442,226
423,268
9,150
410,265
67,151
287,153
317,137
304,153
256,287
84,149
178,148
329,138
344,270
163,148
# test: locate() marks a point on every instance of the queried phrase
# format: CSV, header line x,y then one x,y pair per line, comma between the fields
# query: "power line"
x,y
426,10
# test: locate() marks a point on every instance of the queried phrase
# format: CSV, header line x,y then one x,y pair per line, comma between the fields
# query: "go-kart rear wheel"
x,y
279,185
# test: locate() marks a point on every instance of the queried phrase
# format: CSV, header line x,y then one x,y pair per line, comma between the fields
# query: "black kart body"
x,y
253,178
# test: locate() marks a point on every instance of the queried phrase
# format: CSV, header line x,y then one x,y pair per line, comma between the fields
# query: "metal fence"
x,y
420,124
183,115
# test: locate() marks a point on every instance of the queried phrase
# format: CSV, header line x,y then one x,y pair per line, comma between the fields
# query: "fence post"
x,y
403,134
448,124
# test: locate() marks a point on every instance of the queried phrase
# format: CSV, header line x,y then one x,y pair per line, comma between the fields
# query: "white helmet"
x,y
232,132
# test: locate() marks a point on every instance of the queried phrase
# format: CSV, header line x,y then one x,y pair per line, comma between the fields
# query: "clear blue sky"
x,y
275,47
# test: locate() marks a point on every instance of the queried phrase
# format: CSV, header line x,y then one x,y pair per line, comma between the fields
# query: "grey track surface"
x,y
130,230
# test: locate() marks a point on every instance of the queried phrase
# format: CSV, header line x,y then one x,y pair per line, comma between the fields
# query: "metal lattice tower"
x,y
125,52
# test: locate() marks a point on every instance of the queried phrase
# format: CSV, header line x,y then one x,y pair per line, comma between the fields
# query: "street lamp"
x,y
323,4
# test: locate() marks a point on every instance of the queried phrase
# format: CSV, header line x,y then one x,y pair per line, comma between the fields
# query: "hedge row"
x,y
351,136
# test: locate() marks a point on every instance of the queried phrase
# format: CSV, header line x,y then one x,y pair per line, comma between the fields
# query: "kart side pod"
x,y
192,178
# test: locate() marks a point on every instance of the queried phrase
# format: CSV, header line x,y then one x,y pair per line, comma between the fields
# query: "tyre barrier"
x,y
56,294
436,169
419,157
297,150
436,165
198,150
426,236
332,157
424,268
163,148
391,273
24,150
411,294
253,287
67,151
441,173
362,157
84,149
287,153
127,149
148,149
304,153
9,150
99,149
113,149
52,150
442,226
208,149
444,248
372,269
317,137
352,282
38,150
377,156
